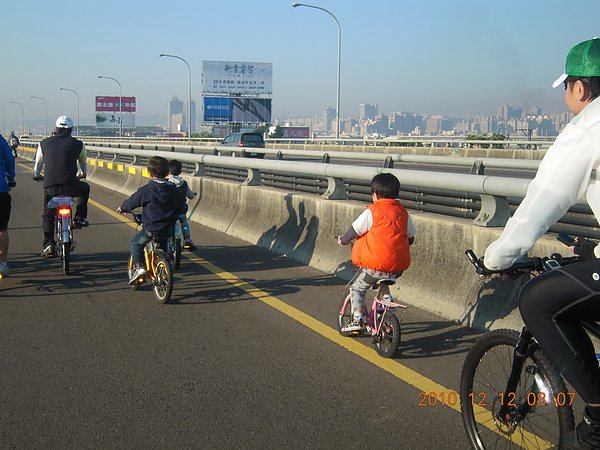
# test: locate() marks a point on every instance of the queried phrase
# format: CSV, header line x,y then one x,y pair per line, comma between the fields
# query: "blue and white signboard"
x,y
217,109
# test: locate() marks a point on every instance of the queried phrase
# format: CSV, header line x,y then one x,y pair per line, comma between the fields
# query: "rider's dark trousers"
x,y
141,238
553,305
78,189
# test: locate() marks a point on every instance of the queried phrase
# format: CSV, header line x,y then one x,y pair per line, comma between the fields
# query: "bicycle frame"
x,y
64,217
379,308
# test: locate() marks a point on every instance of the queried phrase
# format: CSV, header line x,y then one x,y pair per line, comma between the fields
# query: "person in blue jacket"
x,y
7,181
161,204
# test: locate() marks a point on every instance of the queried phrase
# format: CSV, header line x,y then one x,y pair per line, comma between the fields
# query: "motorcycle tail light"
x,y
64,211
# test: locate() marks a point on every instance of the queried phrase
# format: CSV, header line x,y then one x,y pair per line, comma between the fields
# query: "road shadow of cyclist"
x,y
434,338
492,299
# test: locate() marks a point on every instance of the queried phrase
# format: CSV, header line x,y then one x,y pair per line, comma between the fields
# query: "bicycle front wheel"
x,y
540,413
388,337
177,258
163,276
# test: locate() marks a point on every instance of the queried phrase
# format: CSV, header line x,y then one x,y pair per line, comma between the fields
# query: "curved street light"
x,y
46,122
339,54
189,90
22,116
71,90
120,103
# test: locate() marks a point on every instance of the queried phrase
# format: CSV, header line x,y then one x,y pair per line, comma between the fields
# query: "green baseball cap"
x,y
583,60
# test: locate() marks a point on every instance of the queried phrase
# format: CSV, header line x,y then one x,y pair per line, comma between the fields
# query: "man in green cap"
x,y
554,304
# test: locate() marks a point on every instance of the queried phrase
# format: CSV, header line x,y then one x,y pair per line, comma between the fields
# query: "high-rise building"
x,y
368,111
178,117
175,115
329,119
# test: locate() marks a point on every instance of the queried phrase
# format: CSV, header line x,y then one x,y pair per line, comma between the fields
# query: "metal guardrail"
x,y
487,200
388,160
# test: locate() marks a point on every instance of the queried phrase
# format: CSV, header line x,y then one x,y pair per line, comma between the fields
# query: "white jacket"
x,y
563,177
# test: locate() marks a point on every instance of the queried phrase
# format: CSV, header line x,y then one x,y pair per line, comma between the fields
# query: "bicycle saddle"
x,y
387,281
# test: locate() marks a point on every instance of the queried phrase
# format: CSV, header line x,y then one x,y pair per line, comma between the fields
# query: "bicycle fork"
x,y
507,412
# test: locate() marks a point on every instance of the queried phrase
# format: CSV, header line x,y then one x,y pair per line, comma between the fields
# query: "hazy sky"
x,y
424,56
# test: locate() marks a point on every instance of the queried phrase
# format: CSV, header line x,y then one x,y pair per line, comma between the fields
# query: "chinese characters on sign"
x,y
237,78
111,104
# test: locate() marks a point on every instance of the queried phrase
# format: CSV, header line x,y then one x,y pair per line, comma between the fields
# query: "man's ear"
x,y
581,91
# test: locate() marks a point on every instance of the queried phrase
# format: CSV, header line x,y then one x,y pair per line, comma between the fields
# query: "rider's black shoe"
x,y
80,223
585,436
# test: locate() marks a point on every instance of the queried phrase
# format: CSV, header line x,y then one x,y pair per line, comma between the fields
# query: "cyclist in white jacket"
x,y
553,304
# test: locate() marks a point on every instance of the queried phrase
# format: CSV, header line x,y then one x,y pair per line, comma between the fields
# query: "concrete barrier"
x,y
302,227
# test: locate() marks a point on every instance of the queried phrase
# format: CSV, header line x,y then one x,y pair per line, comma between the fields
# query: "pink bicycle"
x,y
380,321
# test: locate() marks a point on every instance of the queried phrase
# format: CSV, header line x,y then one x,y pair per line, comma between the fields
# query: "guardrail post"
x,y
388,163
477,168
199,170
336,189
325,158
253,178
494,211
279,155
215,152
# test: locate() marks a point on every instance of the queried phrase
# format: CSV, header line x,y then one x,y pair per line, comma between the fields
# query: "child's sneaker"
x,y
4,270
188,244
357,324
137,274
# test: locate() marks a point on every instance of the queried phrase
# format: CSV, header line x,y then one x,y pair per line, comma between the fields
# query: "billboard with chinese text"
x,y
295,132
237,78
108,111
105,103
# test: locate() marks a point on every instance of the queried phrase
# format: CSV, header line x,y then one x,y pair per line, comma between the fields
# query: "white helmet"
x,y
64,122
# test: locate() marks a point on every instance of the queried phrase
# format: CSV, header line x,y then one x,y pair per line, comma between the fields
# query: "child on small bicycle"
x,y
383,233
161,204
174,177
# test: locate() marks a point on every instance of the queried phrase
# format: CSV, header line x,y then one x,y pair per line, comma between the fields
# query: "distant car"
x,y
245,141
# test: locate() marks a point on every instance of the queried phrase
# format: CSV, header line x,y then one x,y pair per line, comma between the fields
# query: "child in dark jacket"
x,y
161,204
175,168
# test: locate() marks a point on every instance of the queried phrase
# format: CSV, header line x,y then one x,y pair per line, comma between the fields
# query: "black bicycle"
x,y
510,393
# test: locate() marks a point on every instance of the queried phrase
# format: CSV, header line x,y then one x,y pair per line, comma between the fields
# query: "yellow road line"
x,y
400,371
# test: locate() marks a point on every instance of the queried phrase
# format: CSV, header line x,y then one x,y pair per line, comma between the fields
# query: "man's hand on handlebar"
x,y
584,248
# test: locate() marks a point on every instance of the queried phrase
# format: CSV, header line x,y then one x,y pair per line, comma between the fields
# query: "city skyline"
x,y
464,58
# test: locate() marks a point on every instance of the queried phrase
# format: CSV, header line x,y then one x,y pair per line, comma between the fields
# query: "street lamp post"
x,y
189,90
71,90
22,116
120,103
339,54
3,119
46,122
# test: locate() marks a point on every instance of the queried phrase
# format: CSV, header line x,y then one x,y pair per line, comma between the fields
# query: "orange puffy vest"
x,y
385,246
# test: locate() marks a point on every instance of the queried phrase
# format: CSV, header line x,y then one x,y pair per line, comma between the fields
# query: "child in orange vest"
x,y
383,233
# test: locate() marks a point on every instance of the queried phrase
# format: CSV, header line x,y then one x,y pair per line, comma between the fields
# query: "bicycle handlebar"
x,y
536,263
